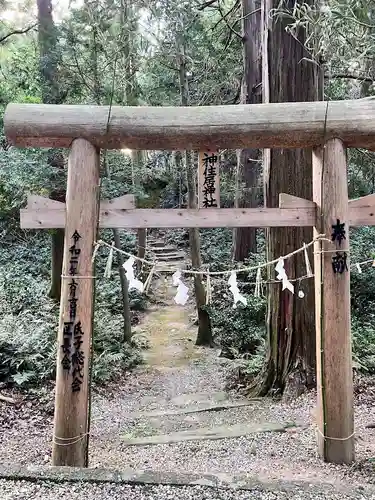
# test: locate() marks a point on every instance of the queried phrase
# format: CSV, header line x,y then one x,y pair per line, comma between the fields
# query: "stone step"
x,y
171,257
204,433
156,244
208,407
161,250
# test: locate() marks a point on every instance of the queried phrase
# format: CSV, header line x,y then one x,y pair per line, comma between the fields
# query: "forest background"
x,y
194,53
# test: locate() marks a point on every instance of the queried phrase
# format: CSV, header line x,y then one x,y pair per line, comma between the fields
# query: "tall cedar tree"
x,y
248,166
48,68
292,76
204,336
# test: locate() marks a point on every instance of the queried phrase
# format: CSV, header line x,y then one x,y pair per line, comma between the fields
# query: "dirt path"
x,y
171,338
159,398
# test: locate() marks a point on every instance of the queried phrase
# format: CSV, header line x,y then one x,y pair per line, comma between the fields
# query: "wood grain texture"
x,y
36,202
71,408
276,125
365,201
362,211
290,201
334,354
317,166
171,218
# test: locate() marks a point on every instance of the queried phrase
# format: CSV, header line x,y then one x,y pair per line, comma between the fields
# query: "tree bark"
x,y
124,290
248,160
57,251
137,158
48,62
290,320
97,95
204,336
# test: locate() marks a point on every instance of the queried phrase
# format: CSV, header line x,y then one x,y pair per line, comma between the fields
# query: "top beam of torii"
x,y
274,125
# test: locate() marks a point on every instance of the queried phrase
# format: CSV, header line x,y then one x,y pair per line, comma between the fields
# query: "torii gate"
x,y
329,129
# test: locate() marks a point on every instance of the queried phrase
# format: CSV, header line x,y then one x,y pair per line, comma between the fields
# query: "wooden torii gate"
x,y
328,129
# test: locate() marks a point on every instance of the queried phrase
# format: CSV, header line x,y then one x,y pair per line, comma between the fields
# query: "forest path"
x,y
169,330
178,418
168,403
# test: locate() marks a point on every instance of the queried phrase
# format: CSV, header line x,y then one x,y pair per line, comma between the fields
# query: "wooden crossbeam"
x,y
173,218
271,125
36,202
119,213
44,213
289,201
361,210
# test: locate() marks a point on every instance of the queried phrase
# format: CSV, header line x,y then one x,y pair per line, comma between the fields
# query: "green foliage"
x,y
216,247
28,346
111,356
363,335
29,320
240,331
107,53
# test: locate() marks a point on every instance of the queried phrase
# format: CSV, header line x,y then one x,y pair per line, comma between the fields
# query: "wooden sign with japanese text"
x,y
208,179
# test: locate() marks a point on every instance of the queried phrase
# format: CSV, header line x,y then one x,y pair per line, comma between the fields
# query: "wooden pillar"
x,y
76,308
334,354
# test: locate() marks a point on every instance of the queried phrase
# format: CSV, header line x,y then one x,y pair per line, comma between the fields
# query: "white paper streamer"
x,y
233,287
208,290
258,283
176,278
132,280
309,272
359,268
182,294
282,276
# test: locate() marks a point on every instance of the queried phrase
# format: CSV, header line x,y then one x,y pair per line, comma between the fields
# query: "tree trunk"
x,y
248,160
57,239
131,99
179,168
124,290
48,62
97,95
137,158
290,319
204,336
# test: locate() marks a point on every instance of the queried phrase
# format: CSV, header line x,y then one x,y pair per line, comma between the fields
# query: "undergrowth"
x,y
29,320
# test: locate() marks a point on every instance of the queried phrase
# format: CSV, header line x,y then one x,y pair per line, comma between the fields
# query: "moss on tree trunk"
x,y
290,319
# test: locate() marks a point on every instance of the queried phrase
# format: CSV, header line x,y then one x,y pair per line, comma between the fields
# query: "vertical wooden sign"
x,y
332,304
76,308
208,179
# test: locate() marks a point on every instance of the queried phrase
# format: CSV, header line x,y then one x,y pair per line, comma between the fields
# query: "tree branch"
x,y
350,77
206,4
224,18
17,32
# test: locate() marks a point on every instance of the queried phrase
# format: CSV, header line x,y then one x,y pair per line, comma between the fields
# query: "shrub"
x,y
240,332
29,320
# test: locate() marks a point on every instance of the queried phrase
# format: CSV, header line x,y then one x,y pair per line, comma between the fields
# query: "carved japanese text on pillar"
x,y
339,259
72,333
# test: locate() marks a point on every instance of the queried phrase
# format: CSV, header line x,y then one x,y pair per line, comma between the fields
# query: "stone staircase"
x,y
167,255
